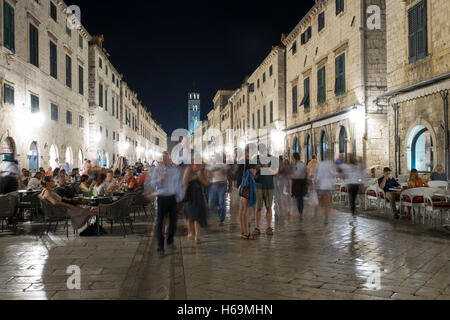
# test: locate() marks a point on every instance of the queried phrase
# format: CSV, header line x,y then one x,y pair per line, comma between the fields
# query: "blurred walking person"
x,y
354,177
299,182
218,188
167,181
325,182
195,204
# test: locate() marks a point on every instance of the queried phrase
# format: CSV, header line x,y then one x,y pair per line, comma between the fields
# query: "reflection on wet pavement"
x,y
361,258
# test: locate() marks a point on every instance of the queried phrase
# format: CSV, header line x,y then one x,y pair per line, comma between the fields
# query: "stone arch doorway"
x,y
69,157
323,146
53,156
308,149
420,149
80,160
343,139
33,157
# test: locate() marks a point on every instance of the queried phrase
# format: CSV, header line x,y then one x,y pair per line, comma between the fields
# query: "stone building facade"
x,y
50,78
44,78
335,68
418,74
266,102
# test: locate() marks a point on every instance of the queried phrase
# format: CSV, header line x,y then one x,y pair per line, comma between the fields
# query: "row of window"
x,y
114,79
264,117
306,36
115,136
339,88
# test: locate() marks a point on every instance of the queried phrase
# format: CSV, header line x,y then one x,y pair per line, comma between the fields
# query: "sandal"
x,y
257,232
269,232
249,237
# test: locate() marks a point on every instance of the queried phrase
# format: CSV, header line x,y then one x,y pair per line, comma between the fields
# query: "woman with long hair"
x,y
79,216
195,204
415,181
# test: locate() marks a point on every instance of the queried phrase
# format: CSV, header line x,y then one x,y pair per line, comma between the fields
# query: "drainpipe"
x,y
396,143
364,75
444,96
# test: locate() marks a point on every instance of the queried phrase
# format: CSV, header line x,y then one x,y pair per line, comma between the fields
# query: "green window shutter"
x,y
294,100
8,26
340,75
306,87
68,71
34,104
80,80
53,60
421,30
412,34
271,111
100,95
34,45
54,112
264,116
321,86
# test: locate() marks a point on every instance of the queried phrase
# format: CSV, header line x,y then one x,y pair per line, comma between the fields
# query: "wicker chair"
x,y
8,209
140,204
30,201
110,212
125,211
54,214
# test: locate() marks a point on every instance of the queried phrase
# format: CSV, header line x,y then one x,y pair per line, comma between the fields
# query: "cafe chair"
x,y
438,184
413,198
435,205
8,210
140,203
371,197
54,214
29,201
110,212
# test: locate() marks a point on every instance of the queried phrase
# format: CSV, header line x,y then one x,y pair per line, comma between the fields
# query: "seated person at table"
x,y
79,215
414,182
75,175
99,187
130,181
25,178
62,190
111,184
438,174
387,183
142,178
84,187
35,182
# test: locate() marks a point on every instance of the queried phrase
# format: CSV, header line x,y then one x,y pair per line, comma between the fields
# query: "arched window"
x,y
69,156
308,154
323,146
343,141
80,160
53,156
33,157
100,159
420,150
295,147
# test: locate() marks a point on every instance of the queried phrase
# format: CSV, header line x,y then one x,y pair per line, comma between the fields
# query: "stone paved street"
x,y
303,260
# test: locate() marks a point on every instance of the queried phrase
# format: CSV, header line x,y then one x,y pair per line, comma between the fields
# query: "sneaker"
x,y
172,247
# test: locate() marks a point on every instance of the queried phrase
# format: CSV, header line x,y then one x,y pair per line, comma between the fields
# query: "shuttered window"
x,y
294,100
339,6
306,94
34,45
321,21
68,71
69,117
8,94
53,12
34,104
80,80
259,119
417,31
100,95
54,112
264,116
53,60
271,111
106,99
339,87
321,86
8,27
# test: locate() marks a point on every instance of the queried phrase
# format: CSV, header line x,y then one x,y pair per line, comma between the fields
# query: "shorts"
x,y
324,192
264,197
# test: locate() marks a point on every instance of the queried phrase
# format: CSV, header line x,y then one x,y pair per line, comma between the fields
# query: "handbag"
x,y
244,192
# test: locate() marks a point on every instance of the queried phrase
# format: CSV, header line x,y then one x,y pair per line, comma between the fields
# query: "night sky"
x,y
163,48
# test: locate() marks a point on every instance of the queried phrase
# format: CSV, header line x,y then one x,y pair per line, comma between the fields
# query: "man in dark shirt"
x,y
387,183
